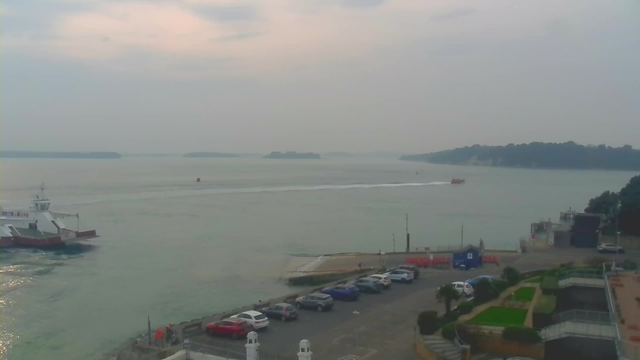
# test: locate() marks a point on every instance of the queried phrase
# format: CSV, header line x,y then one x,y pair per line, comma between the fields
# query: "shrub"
x,y
549,284
500,285
449,317
484,292
465,307
511,275
449,331
595,261
546,305
428,322
521,334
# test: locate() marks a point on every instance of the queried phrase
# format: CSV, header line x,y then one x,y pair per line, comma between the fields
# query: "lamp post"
x,y
617,247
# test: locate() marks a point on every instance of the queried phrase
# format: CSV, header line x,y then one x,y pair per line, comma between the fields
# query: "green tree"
x,y
447,294
630,207
604,204
511,275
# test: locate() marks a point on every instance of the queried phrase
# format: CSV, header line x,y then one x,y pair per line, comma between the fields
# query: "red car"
x,y
233,328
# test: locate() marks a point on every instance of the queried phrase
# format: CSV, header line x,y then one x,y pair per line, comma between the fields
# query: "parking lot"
x,y
378,326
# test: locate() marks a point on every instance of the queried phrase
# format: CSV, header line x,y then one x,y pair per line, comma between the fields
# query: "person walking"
x,y
169,335
160,337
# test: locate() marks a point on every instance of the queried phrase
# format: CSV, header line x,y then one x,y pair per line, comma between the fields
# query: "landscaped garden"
x,y
501,316
523,294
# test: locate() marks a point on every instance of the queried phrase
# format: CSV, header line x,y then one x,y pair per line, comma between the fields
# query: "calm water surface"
x,y
175,249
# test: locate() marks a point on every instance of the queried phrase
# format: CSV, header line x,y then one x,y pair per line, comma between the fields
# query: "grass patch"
x,y
501,316
524,294
535,280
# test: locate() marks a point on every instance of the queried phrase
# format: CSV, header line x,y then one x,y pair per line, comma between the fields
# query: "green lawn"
x,y
524,294
501,316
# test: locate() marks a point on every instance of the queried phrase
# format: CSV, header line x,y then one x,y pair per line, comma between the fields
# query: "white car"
x,y
610,248
404,276
463,288
256,319
384,279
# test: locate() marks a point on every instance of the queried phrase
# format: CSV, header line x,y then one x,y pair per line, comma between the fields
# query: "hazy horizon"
x,y
243,76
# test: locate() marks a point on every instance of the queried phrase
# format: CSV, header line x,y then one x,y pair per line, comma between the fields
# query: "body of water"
x,y
175,249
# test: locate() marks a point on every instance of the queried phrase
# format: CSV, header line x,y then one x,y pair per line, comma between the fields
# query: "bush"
x,y
428,322
484,292
521,334
546,305
451,316
465,307
549,285
500,285
595,261
449,331
511,275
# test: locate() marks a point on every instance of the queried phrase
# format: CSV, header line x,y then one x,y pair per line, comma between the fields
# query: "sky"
x,y
412,76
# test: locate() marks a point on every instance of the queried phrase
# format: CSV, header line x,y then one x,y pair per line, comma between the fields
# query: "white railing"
x,y
585,316
579,328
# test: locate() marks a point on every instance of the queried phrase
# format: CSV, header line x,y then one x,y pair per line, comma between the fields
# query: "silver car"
x,y
318,301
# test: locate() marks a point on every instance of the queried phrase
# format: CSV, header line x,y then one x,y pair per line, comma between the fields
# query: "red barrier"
x,y
491,259
426,262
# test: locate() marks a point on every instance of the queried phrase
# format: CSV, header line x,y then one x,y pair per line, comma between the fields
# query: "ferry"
x,y
38,227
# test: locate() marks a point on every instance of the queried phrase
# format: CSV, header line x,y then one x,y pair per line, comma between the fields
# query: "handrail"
x,y
584,316
587,274
458,340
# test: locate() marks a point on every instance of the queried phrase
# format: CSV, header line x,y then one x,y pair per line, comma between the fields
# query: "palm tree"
x,y
447,293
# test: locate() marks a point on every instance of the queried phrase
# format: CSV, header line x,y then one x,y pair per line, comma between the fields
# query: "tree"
x,y
511,275
446,294
605,204
485,291
630,207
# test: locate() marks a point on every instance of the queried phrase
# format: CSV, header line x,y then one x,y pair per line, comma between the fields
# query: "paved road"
x,y
380,326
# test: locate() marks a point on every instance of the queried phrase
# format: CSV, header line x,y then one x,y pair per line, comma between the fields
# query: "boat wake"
x,y
250,190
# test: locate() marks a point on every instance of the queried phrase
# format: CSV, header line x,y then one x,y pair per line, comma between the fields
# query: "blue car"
x,y
342,292
474,282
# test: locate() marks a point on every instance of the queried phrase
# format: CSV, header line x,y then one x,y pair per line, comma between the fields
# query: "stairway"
x,y
445,349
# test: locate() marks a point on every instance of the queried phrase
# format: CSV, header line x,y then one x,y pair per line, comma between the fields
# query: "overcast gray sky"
x,y
317,75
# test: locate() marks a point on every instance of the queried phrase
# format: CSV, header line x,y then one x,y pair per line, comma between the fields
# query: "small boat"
x,y
457,181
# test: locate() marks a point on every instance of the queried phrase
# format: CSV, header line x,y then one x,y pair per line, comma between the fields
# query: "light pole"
x,y
394,243
617,247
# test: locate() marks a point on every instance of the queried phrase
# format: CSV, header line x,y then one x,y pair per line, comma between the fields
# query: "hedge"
x,y
549,284
546,305
449,331
428,322
465,307
521,334
500,285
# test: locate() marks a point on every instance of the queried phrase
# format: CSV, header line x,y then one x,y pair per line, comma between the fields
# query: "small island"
x,y
210,155
567,155
291,155
59,155
338,154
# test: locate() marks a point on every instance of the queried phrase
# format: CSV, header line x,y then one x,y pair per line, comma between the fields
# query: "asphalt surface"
x,y
381,326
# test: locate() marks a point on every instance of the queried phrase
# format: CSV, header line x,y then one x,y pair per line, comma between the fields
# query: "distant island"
x,y
210,155
59,155
291,155
338,154
567,155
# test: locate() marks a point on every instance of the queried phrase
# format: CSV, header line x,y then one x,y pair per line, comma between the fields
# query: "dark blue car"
x,y
474,282
342,292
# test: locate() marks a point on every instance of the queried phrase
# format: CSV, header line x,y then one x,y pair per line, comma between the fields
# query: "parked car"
x,y
463,288
282,311
368,285
342,292
318,301
384,280
474,282
610,248
403,276
233,328
412,268
256,319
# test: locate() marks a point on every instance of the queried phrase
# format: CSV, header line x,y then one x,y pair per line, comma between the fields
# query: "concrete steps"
x,y
446,349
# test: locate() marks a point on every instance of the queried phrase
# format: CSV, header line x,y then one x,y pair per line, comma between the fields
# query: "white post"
x,y
252,346
305,350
